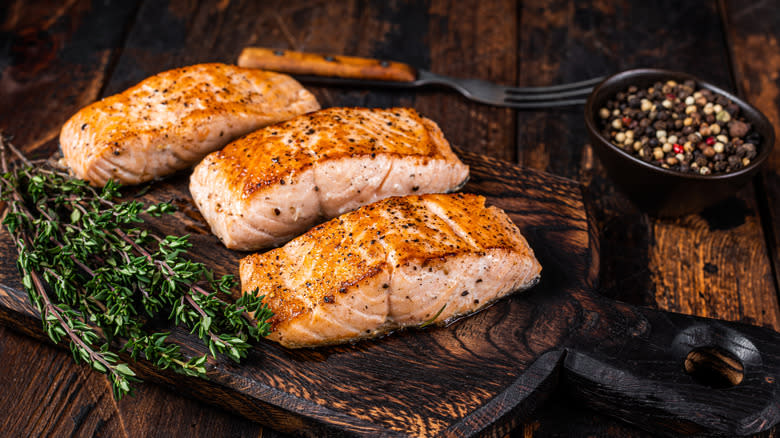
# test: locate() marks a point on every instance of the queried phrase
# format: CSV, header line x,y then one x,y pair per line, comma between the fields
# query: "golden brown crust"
x,y
277,182
321,266
275,153
172,119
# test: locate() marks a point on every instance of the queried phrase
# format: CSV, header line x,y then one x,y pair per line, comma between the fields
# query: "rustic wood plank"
x,y
455,369
157,411
51,66
190,28
46,394
439,37
184,32
54,58
479,44
714,232
694,264
170,35
483,373
55,61
753,34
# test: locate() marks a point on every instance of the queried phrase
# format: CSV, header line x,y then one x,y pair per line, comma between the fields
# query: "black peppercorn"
x,y
678,127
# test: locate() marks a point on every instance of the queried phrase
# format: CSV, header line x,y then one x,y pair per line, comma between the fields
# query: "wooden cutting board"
x,y
483,374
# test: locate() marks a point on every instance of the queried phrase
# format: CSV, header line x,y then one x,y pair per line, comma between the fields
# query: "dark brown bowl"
x,y
664,192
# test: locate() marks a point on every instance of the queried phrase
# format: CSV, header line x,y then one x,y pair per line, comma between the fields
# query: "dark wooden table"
x,y
57,56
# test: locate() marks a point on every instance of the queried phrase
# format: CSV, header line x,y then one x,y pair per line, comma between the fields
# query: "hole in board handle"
x,y
714,367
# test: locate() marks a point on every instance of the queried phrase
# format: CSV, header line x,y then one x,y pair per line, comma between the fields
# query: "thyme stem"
x,y
90,273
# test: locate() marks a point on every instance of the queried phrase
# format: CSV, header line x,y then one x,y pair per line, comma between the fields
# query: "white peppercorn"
x,y
677,127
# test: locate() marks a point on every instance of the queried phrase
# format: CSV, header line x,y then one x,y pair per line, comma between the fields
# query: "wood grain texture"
x,y
65,400
754,35
59,398
54,59
473,39
695,264
434,36
442,379
305,63
482,374
558,41
678,250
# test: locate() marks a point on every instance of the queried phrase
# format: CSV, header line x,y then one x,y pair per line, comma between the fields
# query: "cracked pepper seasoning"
x,y
677,127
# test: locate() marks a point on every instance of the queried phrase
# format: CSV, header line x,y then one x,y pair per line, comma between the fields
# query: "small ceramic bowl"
x,y
664,192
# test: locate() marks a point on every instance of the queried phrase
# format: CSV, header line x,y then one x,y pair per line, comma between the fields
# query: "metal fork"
x,y
364,72
479,90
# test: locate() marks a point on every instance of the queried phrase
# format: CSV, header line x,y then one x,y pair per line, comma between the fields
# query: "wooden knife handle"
x,y
677,374
299,63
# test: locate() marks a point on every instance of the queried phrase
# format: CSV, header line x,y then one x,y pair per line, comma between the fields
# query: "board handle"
x,y
677,374
300,63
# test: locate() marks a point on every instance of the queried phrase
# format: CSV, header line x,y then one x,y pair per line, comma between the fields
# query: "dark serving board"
x,y
483,374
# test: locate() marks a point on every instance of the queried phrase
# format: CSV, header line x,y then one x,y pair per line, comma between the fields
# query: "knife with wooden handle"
x,y
349,67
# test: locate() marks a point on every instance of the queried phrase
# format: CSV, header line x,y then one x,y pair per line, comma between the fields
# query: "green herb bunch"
x,y
102,282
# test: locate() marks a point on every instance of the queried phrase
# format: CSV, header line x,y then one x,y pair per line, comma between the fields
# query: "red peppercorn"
x,y
677,148
710,141
671,96
626,120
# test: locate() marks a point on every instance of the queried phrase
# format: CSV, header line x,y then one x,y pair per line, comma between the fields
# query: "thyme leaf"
x,y
99,280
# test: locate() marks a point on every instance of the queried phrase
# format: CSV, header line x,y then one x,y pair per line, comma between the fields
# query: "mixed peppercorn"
x,y
675,126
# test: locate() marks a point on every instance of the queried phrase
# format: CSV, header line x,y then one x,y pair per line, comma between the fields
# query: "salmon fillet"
x,y
171,120
275,183
392,264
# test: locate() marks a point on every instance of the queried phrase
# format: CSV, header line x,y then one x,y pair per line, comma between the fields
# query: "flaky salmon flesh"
x,y
274,184
170,121
400,262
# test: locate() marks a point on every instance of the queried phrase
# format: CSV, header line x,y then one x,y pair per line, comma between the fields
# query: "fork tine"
x,y
555,88
543,104
547,96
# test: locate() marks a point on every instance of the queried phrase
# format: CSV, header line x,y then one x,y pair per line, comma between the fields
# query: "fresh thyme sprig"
x,y
100,281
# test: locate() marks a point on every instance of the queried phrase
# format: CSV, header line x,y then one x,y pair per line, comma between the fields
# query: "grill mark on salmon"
x,y
388,265
277,182
171,120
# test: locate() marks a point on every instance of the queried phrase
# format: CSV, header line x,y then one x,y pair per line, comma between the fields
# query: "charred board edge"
x,y
638,373
286,413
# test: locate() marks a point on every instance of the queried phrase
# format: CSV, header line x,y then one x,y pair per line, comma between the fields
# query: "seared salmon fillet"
x,y
399,262
270,186
173,119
